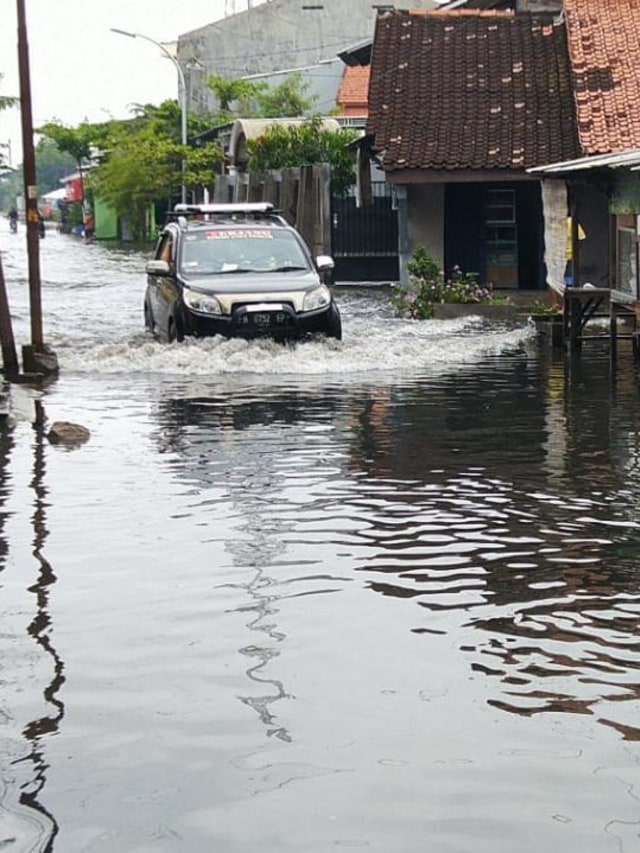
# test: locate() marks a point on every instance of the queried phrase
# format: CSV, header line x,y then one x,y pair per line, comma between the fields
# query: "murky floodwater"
x,y
378,594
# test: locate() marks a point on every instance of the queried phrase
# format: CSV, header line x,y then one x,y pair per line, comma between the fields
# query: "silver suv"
x,y
236,269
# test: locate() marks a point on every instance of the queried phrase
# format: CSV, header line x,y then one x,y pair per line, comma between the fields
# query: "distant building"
x,y
277,37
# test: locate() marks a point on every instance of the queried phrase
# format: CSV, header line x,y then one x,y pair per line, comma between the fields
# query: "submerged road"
x,y
379,594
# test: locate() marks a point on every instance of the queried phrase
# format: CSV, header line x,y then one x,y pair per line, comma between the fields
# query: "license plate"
x,y
261,307
261,319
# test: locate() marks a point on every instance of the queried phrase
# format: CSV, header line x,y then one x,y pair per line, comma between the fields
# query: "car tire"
x,y
174,330
333,326
148,318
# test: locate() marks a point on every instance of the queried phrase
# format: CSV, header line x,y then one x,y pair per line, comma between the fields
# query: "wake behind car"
x,y
236,270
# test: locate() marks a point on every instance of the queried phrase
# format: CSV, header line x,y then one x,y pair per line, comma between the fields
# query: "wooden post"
x,y
36,358
7,341
613,330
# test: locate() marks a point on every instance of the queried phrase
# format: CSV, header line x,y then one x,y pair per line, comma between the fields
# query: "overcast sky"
x,y
79,69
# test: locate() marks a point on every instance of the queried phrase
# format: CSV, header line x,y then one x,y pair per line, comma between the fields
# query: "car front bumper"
x,y
259,320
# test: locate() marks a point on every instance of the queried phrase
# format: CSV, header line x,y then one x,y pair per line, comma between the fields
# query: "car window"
x,y
229,250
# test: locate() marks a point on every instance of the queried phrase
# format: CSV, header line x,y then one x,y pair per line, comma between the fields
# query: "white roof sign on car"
x,y
247,207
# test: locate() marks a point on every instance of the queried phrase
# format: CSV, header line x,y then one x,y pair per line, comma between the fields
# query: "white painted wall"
x,y
420,222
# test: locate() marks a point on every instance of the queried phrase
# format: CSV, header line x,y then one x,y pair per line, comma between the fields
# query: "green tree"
x,y
166,119
303,145
230,91
253,99
75,141
145,167
138,162
51,165
288,100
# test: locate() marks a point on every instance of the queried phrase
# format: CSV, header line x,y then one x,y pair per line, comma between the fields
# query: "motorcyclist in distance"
x,y
12,216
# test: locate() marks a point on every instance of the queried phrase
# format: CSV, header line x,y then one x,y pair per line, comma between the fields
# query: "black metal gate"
x,y
365,239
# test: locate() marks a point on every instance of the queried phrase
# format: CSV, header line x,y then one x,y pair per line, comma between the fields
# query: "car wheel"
x,y
148,318
333,326
174,330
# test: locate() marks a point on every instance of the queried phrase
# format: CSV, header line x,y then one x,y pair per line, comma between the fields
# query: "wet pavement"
x,y
380,594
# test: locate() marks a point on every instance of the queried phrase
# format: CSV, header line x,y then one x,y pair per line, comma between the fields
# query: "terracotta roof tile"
x,y
471,89
353,95
604,46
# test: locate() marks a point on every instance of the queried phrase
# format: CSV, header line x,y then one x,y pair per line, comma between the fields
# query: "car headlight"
x,y
202,303
319,297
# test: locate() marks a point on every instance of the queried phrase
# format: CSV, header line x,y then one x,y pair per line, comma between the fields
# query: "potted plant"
x,y
430,294
548,319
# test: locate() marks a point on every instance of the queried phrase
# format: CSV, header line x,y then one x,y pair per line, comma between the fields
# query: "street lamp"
x,y
182,92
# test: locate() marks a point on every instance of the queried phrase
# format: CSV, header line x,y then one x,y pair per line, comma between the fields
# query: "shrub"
x,y
428,287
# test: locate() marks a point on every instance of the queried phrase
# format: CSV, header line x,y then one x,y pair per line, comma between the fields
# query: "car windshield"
x,y
237,250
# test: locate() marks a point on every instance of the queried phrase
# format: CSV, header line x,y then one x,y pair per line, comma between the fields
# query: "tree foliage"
x,y
146,167
138,161
288,100
230,91
6,101
75,141
258,99
51,165
303,145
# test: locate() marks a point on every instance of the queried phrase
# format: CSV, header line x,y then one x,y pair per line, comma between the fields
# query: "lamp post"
x,y
182,93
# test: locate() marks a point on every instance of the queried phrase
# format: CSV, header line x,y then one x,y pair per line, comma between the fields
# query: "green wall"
x,y
106,221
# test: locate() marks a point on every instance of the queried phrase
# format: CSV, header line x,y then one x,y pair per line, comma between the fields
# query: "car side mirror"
x,y
324,263
158,267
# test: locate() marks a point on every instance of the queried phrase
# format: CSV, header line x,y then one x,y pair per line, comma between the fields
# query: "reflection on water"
x,y
222,439
255,546
543,564
506,495
32,764
40,628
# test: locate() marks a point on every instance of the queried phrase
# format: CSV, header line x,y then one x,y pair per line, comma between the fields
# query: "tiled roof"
x,y
353,96
471,89
604,46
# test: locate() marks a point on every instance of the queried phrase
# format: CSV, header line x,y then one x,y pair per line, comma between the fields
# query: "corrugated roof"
x,y
471,89
620,160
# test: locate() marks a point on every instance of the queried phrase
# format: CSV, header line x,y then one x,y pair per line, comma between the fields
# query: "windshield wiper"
x,y
288,268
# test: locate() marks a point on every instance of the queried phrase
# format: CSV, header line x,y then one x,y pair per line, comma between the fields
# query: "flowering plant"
x,y
428,286
545,309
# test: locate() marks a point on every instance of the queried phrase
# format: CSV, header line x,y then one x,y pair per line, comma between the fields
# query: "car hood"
x,y
258,283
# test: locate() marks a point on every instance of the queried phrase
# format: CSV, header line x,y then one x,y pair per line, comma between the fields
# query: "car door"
x,y
162,289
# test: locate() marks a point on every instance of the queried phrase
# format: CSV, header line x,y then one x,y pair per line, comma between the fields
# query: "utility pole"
x,y
36,357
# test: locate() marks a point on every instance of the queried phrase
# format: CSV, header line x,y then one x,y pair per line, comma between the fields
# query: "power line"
x,y
274,55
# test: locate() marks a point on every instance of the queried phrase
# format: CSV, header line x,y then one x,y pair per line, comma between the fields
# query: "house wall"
x,y
277,35
106,221
594,251
420,222
495,230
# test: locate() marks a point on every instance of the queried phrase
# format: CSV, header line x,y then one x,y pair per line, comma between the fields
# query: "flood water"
x,y
381,594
